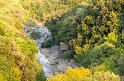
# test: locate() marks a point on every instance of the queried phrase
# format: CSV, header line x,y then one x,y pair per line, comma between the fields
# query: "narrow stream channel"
x,y
44,34
47,68
49,61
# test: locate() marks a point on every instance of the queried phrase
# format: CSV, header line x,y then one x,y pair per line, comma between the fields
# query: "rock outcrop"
x,y
63,46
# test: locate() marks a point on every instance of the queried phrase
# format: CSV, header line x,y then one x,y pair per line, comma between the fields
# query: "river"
x,y
48,56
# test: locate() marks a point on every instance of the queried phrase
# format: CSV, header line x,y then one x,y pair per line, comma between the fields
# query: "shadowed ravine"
x,y
48,57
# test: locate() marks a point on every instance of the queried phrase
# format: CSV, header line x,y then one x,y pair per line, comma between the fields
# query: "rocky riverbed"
x,y
53,55
52,58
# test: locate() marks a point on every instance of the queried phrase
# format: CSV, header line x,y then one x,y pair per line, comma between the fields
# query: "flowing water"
x,y
44,34
49,61
47,68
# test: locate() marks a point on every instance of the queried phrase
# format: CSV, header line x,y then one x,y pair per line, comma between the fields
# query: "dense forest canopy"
x,y
17,50
93,29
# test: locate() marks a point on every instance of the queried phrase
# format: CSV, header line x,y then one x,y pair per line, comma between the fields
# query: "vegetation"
x,y
17,51
30,24
82,74
94,29
47,43
35,35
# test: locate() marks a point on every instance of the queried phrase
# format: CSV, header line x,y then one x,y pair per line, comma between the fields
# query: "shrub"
x,y
35,35
2,29
82,74
97,55
114,63
77,74
18,24
17,51
30,24
120,67
41,77
105,76
17,59
69,54
48,43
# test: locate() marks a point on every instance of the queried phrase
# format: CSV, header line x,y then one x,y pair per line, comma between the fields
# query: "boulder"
x,y
62,67
53,57
44,51
53,62
54,48
63,46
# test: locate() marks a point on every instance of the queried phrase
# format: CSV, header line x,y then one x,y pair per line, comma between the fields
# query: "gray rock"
x,y
51,58
44,51
63,46
54,48
53,62
62,67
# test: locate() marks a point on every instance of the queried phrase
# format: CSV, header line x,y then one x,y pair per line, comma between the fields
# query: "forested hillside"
x,y
17,50
93,29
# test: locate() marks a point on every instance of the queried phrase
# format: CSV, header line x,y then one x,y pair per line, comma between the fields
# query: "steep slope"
x,y
17,51
94,31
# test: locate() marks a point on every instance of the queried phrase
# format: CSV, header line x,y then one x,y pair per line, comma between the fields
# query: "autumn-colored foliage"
x,y
82,74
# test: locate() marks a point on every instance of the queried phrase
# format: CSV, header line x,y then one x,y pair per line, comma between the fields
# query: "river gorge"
x,y
49,57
